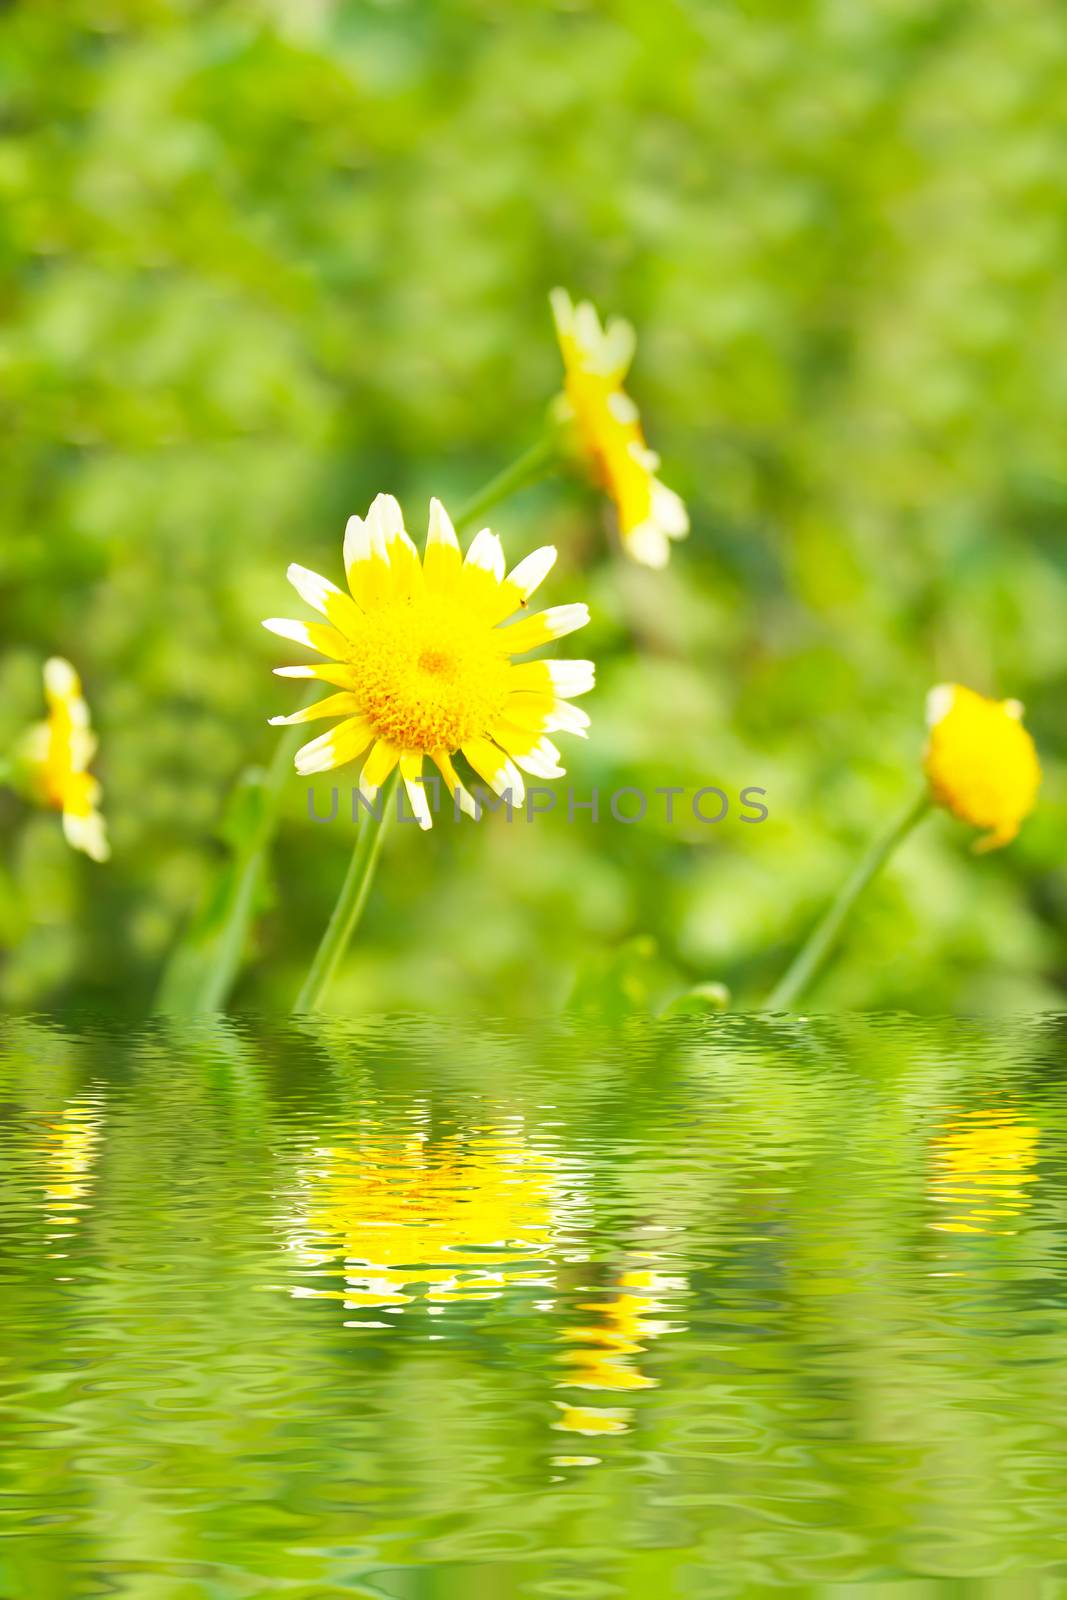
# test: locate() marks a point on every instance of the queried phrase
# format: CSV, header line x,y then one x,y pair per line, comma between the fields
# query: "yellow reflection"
x,y
70,1151
610,1344
592,1419
461,1218
983,1161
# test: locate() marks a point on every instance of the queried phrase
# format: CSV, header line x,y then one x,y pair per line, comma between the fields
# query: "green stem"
x,y
530,466
810,959
204,964
350,902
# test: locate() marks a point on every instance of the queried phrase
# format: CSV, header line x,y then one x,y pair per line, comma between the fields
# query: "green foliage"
x,y
265,260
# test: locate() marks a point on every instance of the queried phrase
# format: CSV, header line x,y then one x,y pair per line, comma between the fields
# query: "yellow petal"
x,y
442,561
535,754
366,563
482,574
531,632
544,713
563,679
455,788
336,748
404,567
496,768
379,764
325,671
334,705
521,582
411,773
325,597
315,635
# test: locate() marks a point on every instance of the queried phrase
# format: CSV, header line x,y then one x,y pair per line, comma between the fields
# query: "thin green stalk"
x,y
812,956
530,466
203,966
350,902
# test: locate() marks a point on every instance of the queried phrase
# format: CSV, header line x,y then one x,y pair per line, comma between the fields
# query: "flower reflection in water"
x,y
70,1150
460,1218
609,1345
983,1161
404,1218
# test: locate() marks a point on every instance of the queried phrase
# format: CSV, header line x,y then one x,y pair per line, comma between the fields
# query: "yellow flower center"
x,y
429,676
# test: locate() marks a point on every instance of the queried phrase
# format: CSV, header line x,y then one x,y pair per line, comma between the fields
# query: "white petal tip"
x,y
60,678
939,703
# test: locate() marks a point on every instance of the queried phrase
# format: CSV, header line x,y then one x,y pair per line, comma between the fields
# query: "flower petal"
x,y
669,511
325,597
496,768
385,515
366,563
315,635
623,408
442,561
326,671
531,632
648,545
939,703
336,748
532,570
536,755
310,586
443,761
61,682
487,554
87,832
334,705
537,713
562,313
411,773
377,767
565,718
564,679
521,582
617,350
587,331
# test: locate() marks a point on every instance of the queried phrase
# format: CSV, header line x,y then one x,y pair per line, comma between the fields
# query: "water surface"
x,y
403,1310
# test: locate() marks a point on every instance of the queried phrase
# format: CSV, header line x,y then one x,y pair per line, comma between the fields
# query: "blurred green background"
x,y
265,260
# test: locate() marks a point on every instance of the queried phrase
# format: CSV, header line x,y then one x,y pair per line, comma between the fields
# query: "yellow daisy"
x,y
57,753
981,762
422,655
608,429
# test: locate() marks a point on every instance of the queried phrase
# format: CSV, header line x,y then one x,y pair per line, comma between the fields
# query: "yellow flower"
x,y
423,661
981,762
57,753
608,429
